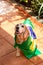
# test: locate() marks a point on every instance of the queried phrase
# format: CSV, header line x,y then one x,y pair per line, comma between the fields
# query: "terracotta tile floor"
x,y
7,26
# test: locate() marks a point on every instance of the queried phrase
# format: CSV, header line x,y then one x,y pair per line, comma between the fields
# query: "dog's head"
x,y
21,33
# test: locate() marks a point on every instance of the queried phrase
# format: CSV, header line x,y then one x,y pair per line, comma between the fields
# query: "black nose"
x,y
17,29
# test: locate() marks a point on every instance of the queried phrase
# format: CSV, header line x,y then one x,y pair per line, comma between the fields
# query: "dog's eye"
x,y
22,26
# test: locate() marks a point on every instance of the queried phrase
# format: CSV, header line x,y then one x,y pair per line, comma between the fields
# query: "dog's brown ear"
x,y
26,34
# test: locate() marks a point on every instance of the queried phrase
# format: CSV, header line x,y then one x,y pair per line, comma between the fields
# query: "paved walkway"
x,y
7,25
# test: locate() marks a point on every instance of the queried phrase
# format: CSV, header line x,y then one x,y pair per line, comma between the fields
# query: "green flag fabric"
x,y
28,23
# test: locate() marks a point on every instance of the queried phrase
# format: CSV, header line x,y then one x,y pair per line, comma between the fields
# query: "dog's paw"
x,y
17,54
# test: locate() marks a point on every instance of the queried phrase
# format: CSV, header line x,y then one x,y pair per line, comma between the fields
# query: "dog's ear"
x,y
26,34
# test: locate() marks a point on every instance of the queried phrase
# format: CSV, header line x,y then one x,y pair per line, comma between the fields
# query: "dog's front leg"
x,y
18,51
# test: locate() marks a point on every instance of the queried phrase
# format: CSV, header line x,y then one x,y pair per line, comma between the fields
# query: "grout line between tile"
x,y
8,53
7,41
34,63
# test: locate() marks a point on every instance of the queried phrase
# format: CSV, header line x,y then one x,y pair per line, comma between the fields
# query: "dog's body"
x,y
25,40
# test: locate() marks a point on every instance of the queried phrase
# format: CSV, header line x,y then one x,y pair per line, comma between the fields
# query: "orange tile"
x,y
41,56
5,47
15,18
3,33
1,37
37,59
27,62
2,18
7,31
10,39
8,27
11,59
38,31
0,61
36,22
40,63
18,21
40,44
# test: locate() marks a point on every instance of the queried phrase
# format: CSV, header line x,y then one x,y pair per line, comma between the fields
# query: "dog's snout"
x,y
17,29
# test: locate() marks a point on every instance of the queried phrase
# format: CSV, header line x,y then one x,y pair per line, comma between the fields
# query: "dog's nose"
x,y
17,29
